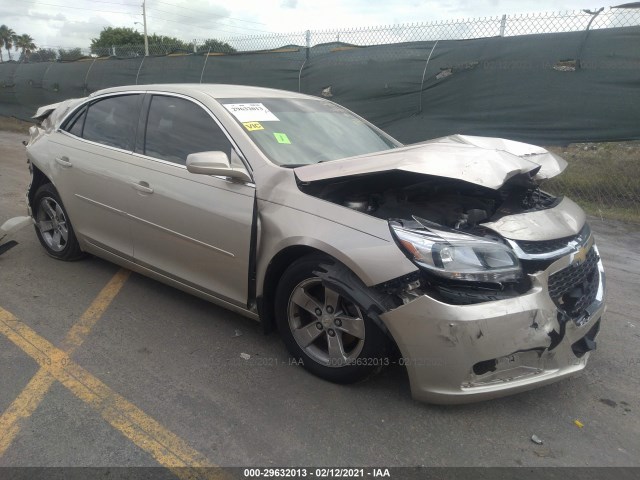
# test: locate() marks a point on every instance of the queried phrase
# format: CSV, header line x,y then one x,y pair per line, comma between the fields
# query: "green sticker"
x,y
282,138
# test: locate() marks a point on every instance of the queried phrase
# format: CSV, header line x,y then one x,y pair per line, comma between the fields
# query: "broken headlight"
x,y
458,256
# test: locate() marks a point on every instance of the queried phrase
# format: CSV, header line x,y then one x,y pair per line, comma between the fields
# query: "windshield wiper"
x,y
294,165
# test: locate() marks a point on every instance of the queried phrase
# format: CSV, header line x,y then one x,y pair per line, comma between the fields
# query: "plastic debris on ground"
x,y
536,439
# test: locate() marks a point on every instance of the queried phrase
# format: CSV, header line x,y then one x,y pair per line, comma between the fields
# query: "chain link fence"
x,y
461,29
603,178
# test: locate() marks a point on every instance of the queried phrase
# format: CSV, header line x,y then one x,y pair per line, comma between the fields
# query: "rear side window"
x,y
76,122
113,121
177,127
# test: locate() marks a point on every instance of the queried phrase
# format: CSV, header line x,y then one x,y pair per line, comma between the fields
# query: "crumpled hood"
x,y
485,161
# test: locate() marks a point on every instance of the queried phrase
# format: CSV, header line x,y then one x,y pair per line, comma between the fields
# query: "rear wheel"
x,y
326,330
53,227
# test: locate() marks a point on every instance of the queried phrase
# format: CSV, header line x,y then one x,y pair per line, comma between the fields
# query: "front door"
x,y
192,228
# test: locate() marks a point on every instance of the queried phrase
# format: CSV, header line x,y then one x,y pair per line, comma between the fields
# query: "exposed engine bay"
x,y
400,196
457,182
418,202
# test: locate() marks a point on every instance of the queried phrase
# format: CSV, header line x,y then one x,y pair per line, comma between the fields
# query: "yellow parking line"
x,y
80,330
33,394
166,447
23,407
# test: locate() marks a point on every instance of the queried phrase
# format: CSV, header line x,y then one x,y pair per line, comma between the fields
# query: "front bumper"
x,y
467,353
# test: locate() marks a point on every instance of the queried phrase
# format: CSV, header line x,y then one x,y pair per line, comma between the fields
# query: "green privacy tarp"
x,y
522,87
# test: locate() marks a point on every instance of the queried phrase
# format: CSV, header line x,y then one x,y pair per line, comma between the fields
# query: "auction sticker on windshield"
x,y
251,112
251,126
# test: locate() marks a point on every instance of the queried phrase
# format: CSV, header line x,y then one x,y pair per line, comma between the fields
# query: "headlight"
x,y
458,256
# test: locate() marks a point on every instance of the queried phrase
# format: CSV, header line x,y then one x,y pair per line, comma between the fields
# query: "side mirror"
x,y
215,163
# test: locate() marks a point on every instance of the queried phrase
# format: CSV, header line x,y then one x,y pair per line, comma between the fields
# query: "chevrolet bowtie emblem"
x,y
581,255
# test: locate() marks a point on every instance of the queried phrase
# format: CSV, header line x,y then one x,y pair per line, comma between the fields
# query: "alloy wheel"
x,y
328,327
52,223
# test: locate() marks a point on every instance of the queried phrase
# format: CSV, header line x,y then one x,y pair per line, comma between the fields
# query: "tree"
x,y
116,36
24,44
128,37
7,36
70,54
45,55
155,39
216,46
162,44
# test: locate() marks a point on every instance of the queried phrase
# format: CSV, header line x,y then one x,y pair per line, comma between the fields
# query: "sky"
x,y
59,23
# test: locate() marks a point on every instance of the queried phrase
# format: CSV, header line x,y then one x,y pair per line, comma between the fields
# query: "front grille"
x,y
574,288
545,246
549,246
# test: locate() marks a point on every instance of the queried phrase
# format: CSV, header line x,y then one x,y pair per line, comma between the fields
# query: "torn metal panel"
x,y
551,164
44,112
50,116
563,220
461,354
487,162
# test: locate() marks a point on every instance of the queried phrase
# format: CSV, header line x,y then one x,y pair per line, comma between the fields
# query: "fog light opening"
x,y
588,342
485,366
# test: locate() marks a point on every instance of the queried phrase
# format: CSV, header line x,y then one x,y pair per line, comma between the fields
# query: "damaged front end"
x,y
510,289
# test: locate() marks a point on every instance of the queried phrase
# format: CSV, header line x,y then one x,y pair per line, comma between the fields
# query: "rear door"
x,y
91,152
192,228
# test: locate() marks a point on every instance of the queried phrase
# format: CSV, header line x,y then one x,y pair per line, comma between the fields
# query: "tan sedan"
x,y
444,256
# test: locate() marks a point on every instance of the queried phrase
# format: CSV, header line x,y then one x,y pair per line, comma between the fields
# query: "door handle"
x,y
142,187
64,161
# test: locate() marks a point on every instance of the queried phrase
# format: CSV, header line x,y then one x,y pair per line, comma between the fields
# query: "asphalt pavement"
x,y
150,375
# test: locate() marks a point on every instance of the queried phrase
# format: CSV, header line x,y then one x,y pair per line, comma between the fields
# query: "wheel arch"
x,y
339,277
275,270
37,180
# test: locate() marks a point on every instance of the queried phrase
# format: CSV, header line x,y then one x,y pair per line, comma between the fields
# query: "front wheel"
x,y
325,330
53,227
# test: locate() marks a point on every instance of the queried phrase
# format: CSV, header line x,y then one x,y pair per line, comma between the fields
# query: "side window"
x,y
178,127
76,122
113,121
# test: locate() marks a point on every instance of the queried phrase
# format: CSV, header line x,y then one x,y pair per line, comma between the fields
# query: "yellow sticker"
x,y
282,138
251,126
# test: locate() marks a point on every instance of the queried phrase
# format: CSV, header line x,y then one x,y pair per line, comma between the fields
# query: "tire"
x,y
315,321
53,227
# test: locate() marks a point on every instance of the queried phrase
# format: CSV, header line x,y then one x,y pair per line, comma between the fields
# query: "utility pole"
x,y
144,19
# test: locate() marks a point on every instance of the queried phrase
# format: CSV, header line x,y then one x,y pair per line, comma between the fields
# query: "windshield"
x,y
293,132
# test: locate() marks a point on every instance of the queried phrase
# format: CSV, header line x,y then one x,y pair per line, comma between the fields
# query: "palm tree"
x,y
24,43
7,36
2,30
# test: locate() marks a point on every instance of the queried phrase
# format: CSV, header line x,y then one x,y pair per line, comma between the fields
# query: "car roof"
x,y
214,90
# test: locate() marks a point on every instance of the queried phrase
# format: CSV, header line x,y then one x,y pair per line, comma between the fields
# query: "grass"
x,y
604,178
